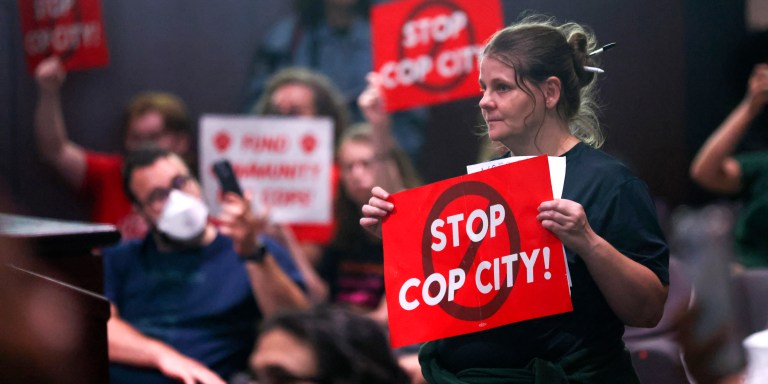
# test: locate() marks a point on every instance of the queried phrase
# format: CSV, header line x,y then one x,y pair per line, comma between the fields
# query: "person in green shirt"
x,y
717,169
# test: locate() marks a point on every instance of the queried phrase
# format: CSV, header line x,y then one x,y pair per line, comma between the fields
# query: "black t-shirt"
x,y
355,278
620,210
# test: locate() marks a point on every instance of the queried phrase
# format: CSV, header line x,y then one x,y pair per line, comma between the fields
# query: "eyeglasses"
x,y
158,196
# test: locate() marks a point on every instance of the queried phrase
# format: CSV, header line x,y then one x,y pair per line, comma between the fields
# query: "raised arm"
x,y
129,346
387,175
53,144
317,288
714,167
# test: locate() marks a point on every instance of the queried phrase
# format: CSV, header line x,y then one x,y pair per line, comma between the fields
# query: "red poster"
x,y
467,254
427,50
70,29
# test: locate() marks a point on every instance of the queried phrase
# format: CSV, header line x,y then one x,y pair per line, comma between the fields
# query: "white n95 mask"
x,y
184,216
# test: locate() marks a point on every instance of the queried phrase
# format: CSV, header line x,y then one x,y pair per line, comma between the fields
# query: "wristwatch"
x,y
258,254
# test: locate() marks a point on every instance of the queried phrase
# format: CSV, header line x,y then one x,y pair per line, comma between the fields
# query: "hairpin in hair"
x,y
593,69
597,52
602,49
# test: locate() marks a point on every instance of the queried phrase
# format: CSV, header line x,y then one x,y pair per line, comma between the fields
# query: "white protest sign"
x,y
285,162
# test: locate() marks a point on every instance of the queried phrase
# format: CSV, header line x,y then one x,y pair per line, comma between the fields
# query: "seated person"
x,y
324,345
185,297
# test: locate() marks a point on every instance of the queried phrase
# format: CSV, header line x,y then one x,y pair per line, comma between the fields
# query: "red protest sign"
x,y
467,254
70,29
426,50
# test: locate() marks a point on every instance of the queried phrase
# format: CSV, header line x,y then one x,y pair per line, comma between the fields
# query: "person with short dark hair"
x,y
184,298
367,155
324,345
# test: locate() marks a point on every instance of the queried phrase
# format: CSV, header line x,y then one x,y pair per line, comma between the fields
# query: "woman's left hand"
x,y
568,221
632,290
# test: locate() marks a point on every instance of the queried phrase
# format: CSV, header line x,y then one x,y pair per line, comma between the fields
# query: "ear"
x,y
550,88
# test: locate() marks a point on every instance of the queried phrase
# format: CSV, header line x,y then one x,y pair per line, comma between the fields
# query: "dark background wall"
x,y
667,85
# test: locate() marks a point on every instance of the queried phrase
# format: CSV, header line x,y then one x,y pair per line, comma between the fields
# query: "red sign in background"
x,y
70,29
427,50
449,248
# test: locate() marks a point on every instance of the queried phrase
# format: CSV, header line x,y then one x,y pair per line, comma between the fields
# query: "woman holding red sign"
x,y
537,79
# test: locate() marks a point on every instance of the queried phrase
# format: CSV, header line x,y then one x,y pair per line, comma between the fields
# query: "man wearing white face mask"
x,y
186,298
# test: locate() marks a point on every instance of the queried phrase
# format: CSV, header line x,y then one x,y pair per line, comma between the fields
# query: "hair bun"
x,y
579,42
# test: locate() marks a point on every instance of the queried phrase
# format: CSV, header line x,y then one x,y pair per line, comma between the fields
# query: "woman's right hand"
x,y
374,212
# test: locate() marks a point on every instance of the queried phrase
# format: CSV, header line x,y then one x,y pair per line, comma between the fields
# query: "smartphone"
x,y
226,176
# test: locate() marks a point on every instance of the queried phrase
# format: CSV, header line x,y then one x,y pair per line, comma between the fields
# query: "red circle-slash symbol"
x,y
470,312
468,37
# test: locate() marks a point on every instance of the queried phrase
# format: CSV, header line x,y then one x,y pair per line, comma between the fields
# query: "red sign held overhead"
x,y
70,29
477,257
426,50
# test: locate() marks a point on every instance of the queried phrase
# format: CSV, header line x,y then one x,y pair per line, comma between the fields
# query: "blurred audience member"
x,y
324,345
153,117
716,168
302,92
353,264
329,36
185,298
332,37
